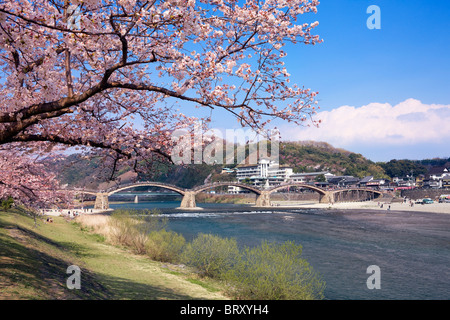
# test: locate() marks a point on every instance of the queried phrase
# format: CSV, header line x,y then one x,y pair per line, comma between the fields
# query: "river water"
x,y
412,250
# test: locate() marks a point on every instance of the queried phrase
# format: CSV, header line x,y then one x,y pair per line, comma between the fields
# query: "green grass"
x,y
205,283
33,264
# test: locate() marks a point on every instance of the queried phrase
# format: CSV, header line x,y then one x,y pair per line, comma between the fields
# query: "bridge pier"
x,y
263,199
101,201
188,201
326,198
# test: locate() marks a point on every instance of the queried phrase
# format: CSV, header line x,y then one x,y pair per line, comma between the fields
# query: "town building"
x,y
378,184
343,181
307,177
420,181
267,173
436,177
446,182
364,181
227,170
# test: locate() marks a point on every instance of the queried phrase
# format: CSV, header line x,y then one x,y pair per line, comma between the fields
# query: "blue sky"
x,y
409,57
399,74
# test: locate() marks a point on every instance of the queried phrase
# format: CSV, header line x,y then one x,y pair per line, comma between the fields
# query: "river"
x,y
412,250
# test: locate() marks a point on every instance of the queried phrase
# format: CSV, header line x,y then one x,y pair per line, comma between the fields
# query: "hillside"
x,y
302,156
310,156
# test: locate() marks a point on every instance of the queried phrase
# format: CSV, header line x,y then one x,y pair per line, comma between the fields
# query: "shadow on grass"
x,y
125,289
47,275
29,268
33,264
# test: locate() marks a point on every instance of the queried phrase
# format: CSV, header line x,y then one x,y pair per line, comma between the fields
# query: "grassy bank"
x,y
34,260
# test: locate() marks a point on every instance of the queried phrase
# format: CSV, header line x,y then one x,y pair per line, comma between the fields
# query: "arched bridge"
x,y
171,187
226,184
262,195
282,186
350,194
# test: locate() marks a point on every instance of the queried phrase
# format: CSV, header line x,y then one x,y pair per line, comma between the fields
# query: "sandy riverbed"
x,y
371,205
366,205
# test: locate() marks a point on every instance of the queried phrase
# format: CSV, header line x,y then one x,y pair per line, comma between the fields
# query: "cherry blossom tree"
x,y
109,77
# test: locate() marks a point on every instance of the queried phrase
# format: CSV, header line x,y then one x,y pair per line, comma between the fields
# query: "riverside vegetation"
x,y
270,271
159,264
34,258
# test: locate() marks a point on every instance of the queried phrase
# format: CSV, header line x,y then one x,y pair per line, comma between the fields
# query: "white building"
x,y
437,175
306,177
266,173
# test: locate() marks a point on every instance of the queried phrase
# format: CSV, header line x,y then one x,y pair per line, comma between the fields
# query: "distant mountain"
x,y
309,156
76,170
302,156
402,168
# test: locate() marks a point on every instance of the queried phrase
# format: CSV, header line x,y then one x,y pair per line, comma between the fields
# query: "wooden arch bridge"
x,y
262,195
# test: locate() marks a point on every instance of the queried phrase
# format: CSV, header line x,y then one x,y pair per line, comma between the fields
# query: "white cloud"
x,y
407,123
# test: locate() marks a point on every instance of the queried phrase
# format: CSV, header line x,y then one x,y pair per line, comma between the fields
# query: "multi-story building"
x,y
266,173
436,177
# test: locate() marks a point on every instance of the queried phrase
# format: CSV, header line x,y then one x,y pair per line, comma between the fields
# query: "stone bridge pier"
x,y
188,201
327,197
101,201
263,199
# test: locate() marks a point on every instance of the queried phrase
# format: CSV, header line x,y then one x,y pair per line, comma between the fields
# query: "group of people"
x,y
72,213
75,213
381,206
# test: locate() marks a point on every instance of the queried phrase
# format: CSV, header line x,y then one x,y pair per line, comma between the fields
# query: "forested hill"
x,y
304,156
310,156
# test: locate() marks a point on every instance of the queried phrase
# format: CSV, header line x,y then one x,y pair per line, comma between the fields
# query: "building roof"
x,y
310,173
437,170
366,179
241,166
343,179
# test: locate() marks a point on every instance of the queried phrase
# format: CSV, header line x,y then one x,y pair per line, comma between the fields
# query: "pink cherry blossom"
x,y
107,77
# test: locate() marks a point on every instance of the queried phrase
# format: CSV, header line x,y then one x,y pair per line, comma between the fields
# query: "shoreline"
x,y
443,208
70,212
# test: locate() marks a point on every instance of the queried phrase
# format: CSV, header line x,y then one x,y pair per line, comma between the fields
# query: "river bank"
x,y
368,205
339,240
34,264
411,248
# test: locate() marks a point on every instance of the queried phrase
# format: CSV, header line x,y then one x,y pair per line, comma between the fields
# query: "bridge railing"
x,y
226,183
80,190
143,184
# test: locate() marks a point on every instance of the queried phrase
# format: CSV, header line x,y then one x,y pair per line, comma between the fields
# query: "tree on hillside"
x,y
84,73
321,178
402,168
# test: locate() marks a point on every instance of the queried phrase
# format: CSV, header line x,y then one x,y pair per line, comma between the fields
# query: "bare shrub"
x,y
211,255
165,246
274,271
96,223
